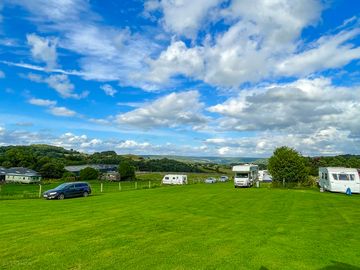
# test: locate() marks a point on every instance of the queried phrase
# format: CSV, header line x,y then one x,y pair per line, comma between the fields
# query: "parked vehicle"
x,y
245,175
210,180
264,176
339,179
223,178
68,190
175,179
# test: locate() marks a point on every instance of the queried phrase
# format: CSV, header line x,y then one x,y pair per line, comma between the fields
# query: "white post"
x,y
149,184
135,185
101,187
119,186
39,190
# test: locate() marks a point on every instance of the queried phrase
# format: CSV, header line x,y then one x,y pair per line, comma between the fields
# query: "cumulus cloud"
x,y
182,17
326,53
60,83
262,41
108,89
43,49
299,107
173,110
321,141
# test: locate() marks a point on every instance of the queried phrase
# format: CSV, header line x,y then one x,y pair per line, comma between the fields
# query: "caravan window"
x,y
242,175
167,178
335,176
343,177
352,177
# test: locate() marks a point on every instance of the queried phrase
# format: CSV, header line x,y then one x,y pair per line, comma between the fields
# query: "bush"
x,y
89,173
127,171
287,164
68,176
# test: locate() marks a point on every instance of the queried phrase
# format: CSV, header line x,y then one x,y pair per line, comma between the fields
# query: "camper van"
x,y
245,175
175,179
338,179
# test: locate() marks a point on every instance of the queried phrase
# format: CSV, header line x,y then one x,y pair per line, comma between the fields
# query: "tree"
x,y
126,170
287,164
52,170
89,173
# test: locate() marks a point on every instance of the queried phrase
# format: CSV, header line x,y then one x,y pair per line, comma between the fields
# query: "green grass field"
x,y
188,227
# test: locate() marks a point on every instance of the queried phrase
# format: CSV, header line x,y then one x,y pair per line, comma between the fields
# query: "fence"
x,y
32,191
144,181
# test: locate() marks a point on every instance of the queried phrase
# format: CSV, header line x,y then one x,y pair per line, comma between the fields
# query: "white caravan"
x,y
175,179
264,176
245,175
339,179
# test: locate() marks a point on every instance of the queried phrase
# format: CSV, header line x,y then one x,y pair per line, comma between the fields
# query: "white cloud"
x,y
52,108
326,53
62,111
60,83
183,17
42,102
43,49
173,110
2,75
297,108
109,90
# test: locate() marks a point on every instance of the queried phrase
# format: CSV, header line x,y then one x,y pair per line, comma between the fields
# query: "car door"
x,y
79,189
70,191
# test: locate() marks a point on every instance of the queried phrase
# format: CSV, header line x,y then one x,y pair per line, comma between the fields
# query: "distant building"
x,y
100,167
2,174
21,175
111,176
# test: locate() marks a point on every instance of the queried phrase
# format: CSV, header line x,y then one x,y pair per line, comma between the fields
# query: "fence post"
x,y
119,186
101,187
135,185
283,182
149,184
39,190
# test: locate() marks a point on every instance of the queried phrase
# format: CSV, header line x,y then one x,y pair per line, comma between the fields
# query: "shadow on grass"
x,y
334,266
340,266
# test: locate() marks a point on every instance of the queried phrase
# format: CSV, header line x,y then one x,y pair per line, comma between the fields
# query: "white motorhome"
x,y
175,179
338,179
245,175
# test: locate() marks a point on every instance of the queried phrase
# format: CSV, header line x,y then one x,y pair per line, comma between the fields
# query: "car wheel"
x,y
61,196
85,194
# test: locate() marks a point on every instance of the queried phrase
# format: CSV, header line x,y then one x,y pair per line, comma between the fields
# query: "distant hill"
x,y
216,160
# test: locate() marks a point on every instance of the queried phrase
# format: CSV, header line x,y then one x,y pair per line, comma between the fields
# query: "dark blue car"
x,y
68,190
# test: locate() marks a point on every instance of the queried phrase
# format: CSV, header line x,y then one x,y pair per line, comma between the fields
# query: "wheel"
x,y
85,194
61,196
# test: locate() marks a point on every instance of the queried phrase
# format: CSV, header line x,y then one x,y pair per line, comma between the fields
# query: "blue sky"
x,y
205,77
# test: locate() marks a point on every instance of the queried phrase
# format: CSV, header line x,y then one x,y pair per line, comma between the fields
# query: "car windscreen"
x,y
62,186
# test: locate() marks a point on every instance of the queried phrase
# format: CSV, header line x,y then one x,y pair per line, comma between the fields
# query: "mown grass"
x,y
10,191
185,227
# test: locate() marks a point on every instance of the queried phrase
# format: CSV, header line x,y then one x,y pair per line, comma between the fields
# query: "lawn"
x,y
186,227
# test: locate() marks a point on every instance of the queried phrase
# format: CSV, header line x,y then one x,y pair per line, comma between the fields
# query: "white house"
x,y
175,179
339,179
245,175
22,175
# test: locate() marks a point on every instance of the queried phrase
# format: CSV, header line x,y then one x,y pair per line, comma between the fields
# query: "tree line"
x,y
50,161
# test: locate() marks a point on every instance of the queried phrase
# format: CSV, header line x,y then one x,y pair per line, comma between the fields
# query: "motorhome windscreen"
x,y
242,175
